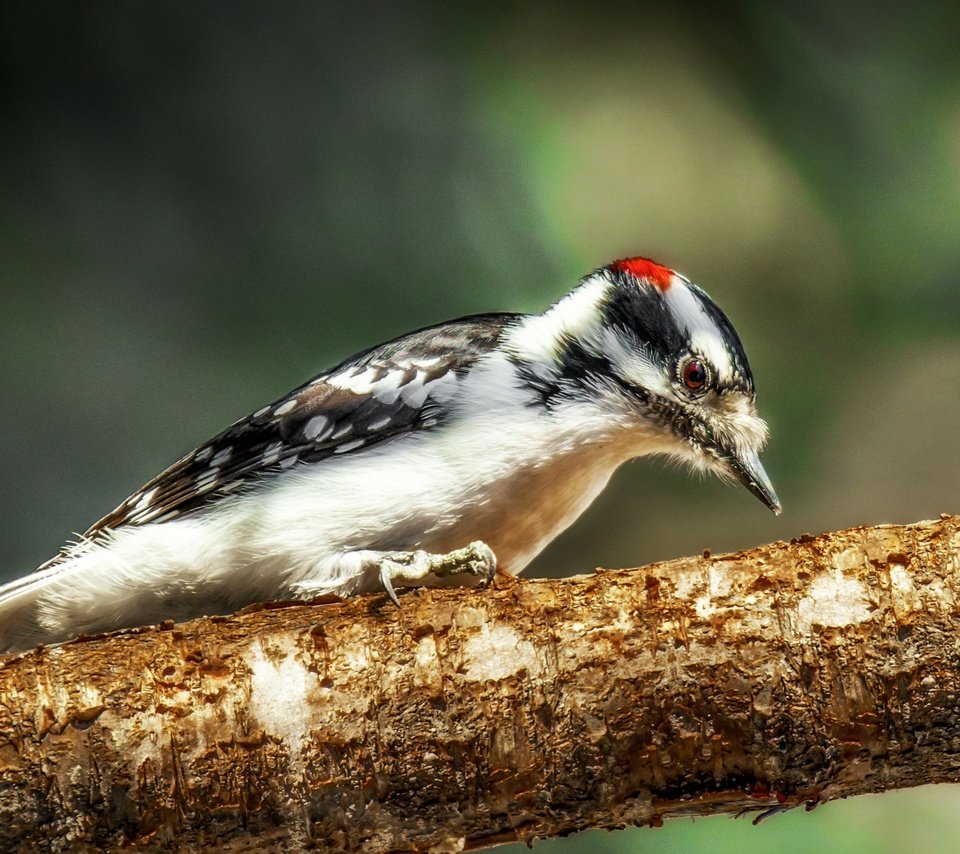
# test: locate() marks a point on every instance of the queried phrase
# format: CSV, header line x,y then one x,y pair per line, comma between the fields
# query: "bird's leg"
x,y
411,567
365,570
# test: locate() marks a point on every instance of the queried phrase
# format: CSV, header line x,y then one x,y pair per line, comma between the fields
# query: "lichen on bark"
x,y
785,675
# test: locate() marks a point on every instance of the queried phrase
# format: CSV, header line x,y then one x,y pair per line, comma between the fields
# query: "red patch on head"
x,y
643,268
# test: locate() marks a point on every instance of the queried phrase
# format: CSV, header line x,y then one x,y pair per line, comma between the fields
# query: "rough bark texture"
x,y
788,674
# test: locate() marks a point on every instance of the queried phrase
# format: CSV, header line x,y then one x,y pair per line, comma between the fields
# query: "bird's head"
x,y
664,361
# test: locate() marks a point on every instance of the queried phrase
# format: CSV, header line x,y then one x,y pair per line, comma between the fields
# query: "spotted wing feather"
x,y
372,397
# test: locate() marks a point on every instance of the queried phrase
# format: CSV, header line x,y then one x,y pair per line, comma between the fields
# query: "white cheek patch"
x,y
635,367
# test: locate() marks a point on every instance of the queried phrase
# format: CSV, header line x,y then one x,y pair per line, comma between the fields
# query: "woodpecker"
x,y
433,458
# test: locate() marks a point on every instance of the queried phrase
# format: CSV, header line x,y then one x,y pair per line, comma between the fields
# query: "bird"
x,y
433,458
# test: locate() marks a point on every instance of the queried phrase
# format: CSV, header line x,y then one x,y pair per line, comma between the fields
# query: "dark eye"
x,y
695,374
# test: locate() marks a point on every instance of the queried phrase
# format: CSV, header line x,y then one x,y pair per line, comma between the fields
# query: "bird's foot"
x,y
406,568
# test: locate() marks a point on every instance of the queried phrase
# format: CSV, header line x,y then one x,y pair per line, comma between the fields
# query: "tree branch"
x,y
788,674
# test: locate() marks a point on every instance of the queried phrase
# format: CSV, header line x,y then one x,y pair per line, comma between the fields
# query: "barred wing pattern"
x,y
371,397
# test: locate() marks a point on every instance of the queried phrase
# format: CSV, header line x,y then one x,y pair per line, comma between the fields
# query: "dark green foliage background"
x,y
204,204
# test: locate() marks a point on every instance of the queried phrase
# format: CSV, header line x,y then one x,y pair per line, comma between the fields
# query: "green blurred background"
x,y
203,205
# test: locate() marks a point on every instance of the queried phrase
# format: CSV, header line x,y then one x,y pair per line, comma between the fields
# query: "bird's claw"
x,y
487,560
387,581
476,559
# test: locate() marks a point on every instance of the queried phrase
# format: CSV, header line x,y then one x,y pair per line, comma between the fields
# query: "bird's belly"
x,y
522,514
503,484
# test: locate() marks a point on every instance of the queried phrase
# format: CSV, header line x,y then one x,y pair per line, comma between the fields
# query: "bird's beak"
x,y
747,468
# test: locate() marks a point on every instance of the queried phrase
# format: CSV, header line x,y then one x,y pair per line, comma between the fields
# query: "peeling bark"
x,y
784,675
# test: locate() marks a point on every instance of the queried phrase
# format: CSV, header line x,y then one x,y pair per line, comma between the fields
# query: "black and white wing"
x,y
369,398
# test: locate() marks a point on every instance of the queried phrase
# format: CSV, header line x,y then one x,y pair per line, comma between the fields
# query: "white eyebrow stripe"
x,y
710,345
687,308
706,339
